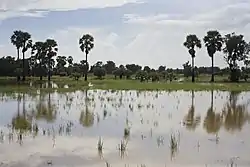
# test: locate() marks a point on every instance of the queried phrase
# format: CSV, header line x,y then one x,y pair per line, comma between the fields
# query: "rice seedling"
x,y
123,145
100,144
107,164
173,145
126,131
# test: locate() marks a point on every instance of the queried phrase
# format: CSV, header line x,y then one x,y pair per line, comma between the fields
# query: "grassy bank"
x,y
65,84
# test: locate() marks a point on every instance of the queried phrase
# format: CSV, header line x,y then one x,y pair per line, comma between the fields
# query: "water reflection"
x,y
190,120
212,121
21,121
141,127
235,115
45,111
46,84
87,116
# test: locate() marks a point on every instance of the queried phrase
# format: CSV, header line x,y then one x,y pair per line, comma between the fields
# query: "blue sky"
x,y
147,32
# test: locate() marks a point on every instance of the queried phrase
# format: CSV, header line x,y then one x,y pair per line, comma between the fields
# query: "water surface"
x,y
210,128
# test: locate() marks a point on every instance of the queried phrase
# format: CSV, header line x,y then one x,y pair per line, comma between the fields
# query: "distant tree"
x,y
171,76
84,66
109,67
70,65
98,64
245,70
8,66
142,75
38,59
213,41
161,68
16,40
26,44
76,75
187,69
147,69
191,42
51,51
61,62
119,72
86,43
154,76
70,60
128,73
133,67
236,50
99,72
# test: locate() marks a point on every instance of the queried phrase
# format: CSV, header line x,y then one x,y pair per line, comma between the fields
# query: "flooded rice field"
x,y
97,128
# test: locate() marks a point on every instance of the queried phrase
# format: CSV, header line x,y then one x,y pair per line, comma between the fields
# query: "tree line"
x,y
234,47
44,62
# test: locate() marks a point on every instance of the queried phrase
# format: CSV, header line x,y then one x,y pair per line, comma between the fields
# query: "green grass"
x,y
10,85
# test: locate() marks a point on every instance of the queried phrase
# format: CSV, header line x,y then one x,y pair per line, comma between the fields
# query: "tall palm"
x,y
213,41
191,42
16,40
86,45
39,54
26,44
51,50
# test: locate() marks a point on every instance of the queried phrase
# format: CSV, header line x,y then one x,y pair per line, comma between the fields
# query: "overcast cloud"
x,y
149,32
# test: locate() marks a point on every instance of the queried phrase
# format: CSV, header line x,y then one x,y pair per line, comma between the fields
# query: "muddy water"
x,y
207,129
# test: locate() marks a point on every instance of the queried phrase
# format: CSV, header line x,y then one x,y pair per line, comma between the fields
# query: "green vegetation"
x,y
66,84
44,62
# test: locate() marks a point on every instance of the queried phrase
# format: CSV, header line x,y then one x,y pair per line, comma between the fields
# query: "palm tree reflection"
x,y
191,121
235,114
213,121
21,122
86,116
45,111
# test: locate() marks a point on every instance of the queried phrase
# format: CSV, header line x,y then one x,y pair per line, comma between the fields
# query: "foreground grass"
x,y
10,85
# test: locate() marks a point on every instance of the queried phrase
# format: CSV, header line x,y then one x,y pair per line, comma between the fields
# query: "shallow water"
x,y
210,128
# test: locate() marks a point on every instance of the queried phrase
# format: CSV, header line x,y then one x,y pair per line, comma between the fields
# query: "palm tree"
x,y
38,51
16,41
191,42
213,41
26,44
86,45
51,51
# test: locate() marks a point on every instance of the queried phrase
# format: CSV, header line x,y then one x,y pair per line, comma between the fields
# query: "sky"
x,y
145,32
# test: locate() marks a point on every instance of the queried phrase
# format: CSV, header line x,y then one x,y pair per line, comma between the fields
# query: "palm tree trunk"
x,y
41,76
86,72
18,57
23,66
193,69
212,58
49,71
212,100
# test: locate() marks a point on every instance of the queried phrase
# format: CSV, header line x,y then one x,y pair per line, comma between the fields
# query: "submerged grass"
x,y
65,84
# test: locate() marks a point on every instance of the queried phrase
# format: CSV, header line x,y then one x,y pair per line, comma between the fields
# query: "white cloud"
x,y
11,14
15,8
25,5
154,39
